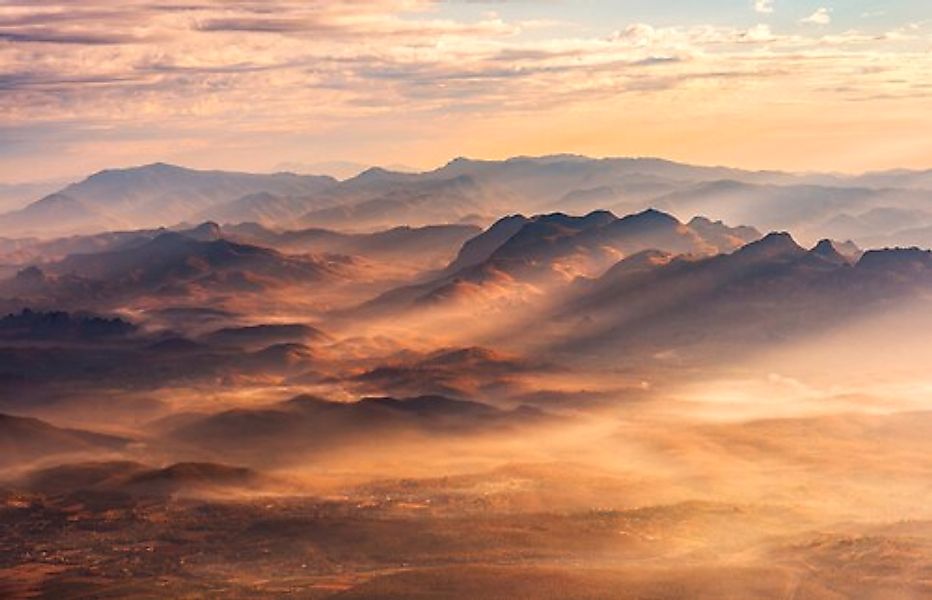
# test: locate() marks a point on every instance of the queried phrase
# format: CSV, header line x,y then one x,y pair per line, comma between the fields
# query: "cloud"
x,y
44,36
763,6
232,68
822,16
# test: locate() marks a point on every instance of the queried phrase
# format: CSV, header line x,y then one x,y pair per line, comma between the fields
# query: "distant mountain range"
x,y
152,195
872,209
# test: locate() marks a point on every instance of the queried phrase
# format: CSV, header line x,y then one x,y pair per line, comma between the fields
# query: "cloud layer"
x,y
146,75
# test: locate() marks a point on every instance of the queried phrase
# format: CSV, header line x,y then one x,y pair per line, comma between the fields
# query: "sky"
x,y
828,85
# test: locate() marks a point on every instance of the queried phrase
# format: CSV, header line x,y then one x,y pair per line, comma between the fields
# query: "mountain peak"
x,y
773,245
161,166
827,252
376,175
827,249
157,168
653,213
700,221
651,217
600,217
205,232
374,172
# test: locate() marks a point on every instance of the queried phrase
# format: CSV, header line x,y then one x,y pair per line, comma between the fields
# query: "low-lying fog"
x,y
749,421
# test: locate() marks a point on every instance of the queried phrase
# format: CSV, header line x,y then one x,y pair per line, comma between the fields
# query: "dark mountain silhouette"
x,y
31,325
172,261
142,480
827,250
550,249
554,237
207,231
764,293
308,423
897,262
283,360
48,349
174,346
459,372
72,477
24,439
480,248
191,477
265,335
44,251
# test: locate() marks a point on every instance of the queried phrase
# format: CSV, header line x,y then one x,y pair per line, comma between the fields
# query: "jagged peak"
x,y
600,216
827,252
773,245
653,216
509,219
826,248
700,220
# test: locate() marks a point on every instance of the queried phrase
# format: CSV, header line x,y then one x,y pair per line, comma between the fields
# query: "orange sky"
x,y
96,83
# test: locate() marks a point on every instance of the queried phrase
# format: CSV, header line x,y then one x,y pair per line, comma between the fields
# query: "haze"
x,y
263,335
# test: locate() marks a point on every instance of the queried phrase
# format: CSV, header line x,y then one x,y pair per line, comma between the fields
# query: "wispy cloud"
x,y
223,68
822,16
763,6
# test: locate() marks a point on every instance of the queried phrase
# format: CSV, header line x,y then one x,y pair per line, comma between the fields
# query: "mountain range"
x,y
870,209
295,395
767,293
152,195
169,263
24,439
306,424
525,255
